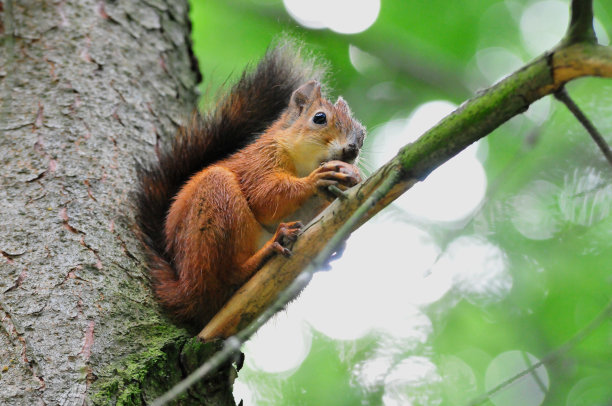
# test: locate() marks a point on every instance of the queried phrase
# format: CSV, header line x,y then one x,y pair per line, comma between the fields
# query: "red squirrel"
x,y
239,180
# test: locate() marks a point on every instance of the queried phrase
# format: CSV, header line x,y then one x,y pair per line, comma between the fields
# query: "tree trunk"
x,y
88,88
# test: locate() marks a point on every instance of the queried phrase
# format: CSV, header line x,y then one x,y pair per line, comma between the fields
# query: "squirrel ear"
x,y
342,106
304,95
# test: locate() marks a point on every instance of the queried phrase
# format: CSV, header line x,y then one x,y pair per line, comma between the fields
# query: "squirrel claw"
x,y
281,250
336,173
286,234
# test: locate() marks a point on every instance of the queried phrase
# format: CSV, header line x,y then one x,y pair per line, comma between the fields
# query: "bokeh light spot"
x,y
543,24
477,268
333,303
414,381
242,392
458,378
495,63
535,216
593,390
453,190
370,373
529,390
539,111
586,197
342,16
600,32
361,60
280,345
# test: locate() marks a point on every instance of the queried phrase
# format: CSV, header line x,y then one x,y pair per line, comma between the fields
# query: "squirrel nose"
x,y
349,153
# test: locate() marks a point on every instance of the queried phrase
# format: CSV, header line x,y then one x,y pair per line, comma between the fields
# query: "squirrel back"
x,y
238,119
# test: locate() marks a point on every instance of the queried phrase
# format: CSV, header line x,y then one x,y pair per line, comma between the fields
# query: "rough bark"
x,y
88,87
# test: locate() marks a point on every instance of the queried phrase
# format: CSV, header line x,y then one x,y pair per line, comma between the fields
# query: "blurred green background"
x,y
490,266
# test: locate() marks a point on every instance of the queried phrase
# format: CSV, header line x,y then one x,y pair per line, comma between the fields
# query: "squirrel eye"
x,y
319,118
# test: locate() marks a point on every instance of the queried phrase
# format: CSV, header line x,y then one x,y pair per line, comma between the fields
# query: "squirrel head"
x,y
317,131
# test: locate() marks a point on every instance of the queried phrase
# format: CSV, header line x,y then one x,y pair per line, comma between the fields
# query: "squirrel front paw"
x,y
286,234
337,173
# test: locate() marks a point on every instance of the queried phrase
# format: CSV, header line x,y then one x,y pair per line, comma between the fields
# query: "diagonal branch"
x,y
473,120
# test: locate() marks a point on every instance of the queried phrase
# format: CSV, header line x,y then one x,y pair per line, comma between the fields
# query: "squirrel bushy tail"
x,y
238,118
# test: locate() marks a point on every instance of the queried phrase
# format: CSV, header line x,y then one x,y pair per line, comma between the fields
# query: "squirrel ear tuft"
x,y
304,95
342,106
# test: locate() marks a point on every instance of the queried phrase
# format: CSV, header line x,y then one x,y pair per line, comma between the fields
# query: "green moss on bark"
x,y
139,378
476,118
171,355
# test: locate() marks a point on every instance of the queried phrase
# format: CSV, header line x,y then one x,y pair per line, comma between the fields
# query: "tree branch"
x,y
581,23
564,97
473,120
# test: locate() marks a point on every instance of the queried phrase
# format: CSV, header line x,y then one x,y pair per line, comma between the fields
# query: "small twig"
x,y
552,356
564,97
334,190
232,344
580,28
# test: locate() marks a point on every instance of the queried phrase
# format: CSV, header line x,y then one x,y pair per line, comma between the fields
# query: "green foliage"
x,y
548,205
